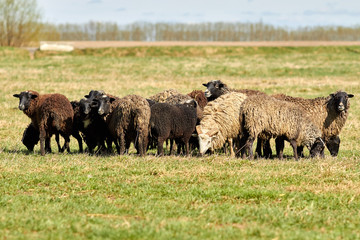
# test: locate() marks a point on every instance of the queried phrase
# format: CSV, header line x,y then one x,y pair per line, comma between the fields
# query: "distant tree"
x,y
19,22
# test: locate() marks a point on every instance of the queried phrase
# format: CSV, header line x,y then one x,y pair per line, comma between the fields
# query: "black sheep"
x,y
30,137
174,122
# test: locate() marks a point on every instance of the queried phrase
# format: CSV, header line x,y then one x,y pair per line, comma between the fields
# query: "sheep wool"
x,y
221,119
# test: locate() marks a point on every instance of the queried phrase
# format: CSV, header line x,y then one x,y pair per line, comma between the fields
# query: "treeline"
x,y
219,31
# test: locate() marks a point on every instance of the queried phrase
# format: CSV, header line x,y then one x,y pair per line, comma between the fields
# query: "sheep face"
x,y
214,89
25,99
204,143
85,106
341,101
317,148
104,103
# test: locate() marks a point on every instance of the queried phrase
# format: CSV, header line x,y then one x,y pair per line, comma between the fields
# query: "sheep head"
x,y
205,139
317,148
104,104
214,89
340,101
25,99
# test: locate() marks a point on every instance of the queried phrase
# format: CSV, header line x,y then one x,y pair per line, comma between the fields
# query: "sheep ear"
x,y
350,95
205,84
33,96
221,85
198,129
87,96
16,95
212,132
112,99
332,95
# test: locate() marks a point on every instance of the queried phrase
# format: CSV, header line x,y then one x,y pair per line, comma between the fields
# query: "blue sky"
x,y
276,12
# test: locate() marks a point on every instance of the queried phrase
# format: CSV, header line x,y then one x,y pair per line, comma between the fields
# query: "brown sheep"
x,y
199,97
267,115
50,114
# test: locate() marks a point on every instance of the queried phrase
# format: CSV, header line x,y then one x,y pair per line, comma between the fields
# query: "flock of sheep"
x,y
218,119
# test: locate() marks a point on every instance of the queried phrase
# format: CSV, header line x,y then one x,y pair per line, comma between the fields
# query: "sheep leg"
x,y
300,151
57,138
121,141
140,144
249,146
42,137
79,140
172,150
67,143
187,152
48,145
242,146
232,153
160,143
144,145
109,145
259,145
280,142
267,149
294,146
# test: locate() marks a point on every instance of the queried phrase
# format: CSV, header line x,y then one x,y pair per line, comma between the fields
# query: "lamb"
x,y
50,114
221,121
174,122
329,114
30,137
270,116
127,119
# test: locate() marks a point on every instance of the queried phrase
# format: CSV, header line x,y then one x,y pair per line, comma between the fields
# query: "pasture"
x,y
77,196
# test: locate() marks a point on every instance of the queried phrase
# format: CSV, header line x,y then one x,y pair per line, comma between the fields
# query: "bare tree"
x,y
19,22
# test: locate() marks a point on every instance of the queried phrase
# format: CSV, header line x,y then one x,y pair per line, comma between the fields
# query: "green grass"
x,y
77,196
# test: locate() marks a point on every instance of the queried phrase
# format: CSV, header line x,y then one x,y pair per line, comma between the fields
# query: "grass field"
x,y
77,196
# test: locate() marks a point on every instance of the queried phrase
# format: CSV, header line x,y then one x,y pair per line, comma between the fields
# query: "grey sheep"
x,y
328,113
127,120
162,96
270,116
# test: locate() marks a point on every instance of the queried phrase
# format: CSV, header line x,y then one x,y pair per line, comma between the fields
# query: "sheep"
x,y
127,120
30,137
216,88
329,114
199,97
220,122
92,127
174,122
50,114
160,97
273,117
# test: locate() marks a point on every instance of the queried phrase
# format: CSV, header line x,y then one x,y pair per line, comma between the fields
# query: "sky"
x,y
286,13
